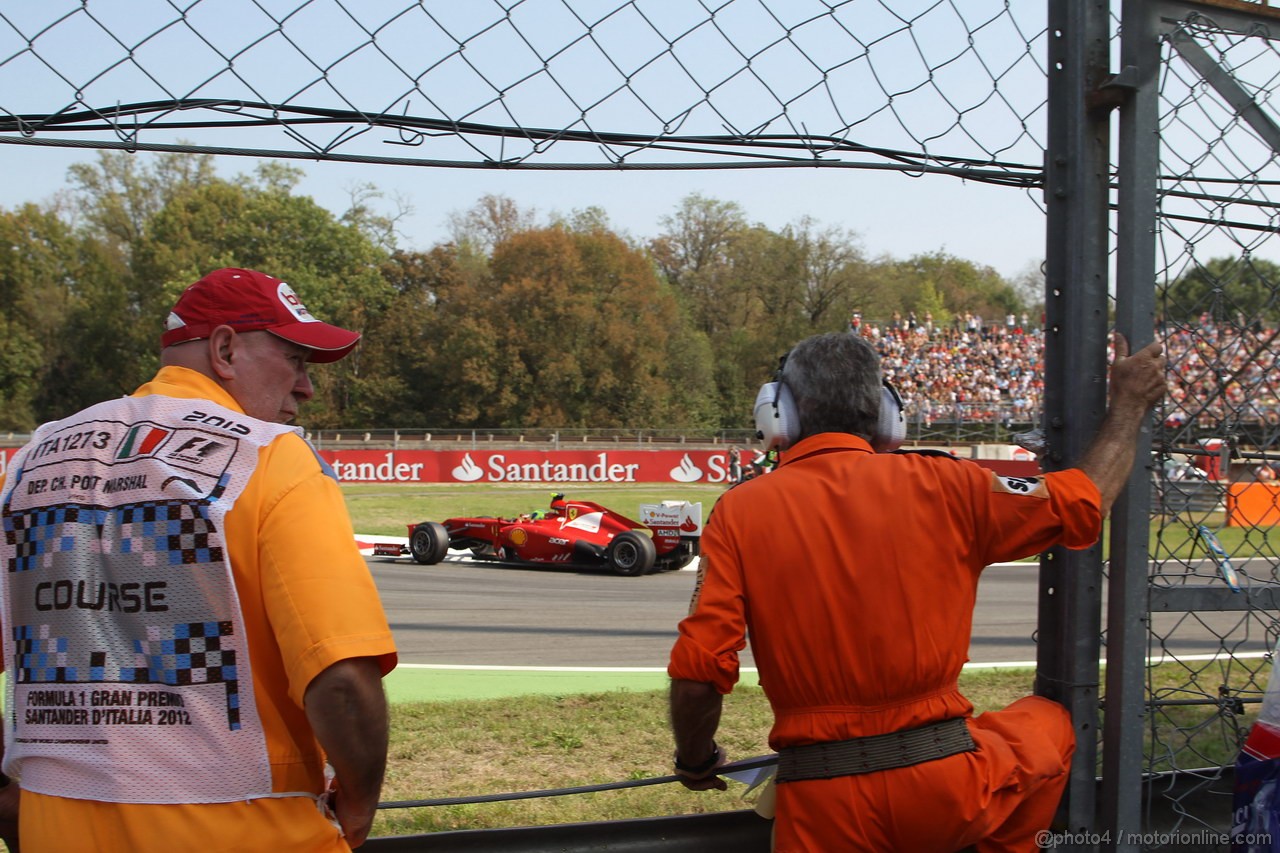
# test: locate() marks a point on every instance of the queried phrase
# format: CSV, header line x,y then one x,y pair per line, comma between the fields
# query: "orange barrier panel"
x,y
1253,504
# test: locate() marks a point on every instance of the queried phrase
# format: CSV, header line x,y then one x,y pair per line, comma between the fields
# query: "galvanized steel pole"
x,y
1077,179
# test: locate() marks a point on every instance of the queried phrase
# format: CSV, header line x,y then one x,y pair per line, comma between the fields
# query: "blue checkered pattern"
x,y
180,530
40,660
192,655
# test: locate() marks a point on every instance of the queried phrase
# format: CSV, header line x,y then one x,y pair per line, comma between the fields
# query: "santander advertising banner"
x,y
530,466
553,466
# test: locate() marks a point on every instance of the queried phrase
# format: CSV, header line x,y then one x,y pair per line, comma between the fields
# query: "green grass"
x,y
458,749
466,748
443,749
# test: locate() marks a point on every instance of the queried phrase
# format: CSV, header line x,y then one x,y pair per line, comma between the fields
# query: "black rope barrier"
x,y
732,767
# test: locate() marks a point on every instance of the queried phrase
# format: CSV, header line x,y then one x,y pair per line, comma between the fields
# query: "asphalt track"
x,y
476,630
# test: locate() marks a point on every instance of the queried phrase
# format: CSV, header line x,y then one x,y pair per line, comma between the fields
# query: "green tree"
x,y
119,193
1227,289
491,220
593,218
381,228
47,273
961,285
415,370
587,323
559,329
693,252
833,270
928,304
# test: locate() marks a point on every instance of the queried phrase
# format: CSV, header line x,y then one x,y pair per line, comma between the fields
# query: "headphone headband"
x,y
778,418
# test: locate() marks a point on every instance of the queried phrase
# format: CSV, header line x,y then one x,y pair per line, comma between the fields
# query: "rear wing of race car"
x,y
678,515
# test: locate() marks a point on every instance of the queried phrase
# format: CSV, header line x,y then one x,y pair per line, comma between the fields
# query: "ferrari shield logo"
x,y
573,513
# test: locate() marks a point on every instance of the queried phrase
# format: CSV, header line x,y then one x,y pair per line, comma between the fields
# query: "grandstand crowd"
x,y
979,371
965,370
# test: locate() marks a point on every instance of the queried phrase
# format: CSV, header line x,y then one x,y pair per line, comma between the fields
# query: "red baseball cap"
x,y
249,301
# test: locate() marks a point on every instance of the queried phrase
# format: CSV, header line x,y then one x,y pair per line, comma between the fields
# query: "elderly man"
x,y
190,633
860,627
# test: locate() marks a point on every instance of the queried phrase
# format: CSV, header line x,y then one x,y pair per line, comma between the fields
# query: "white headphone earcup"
x,y
777,421
891,429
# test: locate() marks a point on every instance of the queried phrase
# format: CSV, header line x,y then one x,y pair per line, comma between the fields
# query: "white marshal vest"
x,y
128,667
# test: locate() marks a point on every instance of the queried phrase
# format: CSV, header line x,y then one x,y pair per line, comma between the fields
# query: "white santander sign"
x,y
530,466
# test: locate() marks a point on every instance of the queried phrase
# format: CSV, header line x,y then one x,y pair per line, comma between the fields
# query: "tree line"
x,y
513,322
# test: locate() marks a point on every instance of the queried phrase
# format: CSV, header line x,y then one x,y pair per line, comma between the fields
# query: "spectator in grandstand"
x,y
855,574
188,624
991,377
996,375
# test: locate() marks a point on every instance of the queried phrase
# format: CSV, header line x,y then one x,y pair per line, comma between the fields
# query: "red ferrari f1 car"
x,y
573,533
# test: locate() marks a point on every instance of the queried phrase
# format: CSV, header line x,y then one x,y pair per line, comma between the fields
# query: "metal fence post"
x,y
1120,806
1077,177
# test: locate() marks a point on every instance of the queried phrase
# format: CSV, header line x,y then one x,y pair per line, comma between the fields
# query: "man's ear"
x,y
222,349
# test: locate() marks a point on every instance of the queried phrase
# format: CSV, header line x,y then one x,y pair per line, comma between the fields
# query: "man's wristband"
x,y
704,767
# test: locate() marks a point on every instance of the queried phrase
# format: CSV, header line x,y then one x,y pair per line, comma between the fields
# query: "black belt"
x,y
876,752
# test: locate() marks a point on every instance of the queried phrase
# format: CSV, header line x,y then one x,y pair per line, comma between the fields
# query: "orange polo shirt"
x,y
855,575
308,601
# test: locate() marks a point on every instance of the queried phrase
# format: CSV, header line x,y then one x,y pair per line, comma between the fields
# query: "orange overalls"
x,y
856,574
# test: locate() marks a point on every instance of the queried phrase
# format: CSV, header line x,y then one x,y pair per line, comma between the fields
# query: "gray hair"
x,y
835,379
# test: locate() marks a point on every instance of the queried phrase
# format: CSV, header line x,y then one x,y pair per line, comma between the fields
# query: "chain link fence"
x,y
1213,618
951,88
946,87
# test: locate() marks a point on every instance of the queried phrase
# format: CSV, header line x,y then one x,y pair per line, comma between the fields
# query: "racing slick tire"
x,y
429,543
631,553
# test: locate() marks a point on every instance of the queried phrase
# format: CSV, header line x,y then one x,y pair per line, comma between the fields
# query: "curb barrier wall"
x,y
739,831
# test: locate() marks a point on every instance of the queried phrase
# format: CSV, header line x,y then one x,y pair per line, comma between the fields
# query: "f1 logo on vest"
x,y
197,449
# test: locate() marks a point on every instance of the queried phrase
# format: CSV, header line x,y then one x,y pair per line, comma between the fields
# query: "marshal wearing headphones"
x,y
778,418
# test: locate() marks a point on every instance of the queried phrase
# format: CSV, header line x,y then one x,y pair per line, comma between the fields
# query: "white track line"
x,y
1012,664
